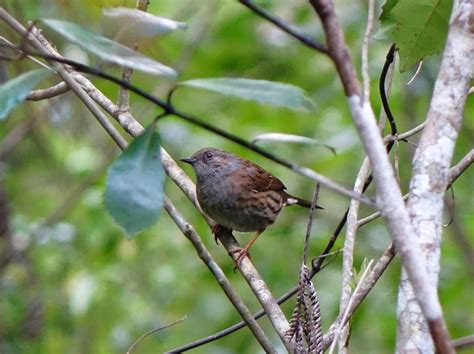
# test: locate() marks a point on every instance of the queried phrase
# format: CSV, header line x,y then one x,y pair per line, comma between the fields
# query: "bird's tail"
x,y
291,200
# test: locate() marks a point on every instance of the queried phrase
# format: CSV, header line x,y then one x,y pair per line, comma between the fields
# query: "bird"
x,y
238,194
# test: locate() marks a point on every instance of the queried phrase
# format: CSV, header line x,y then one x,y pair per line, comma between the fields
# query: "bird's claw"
x,y
215,231
239,253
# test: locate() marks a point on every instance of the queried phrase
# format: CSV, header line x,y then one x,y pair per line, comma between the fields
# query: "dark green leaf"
x,y
134,190
108,50
15,91
270,92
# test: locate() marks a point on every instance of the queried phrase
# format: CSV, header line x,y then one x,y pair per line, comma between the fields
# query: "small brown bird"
x,y
238,194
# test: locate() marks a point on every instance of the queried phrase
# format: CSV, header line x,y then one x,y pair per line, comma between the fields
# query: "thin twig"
x,y
317,265
364,287
420,64
314,202
345,316
191,234
389,199
66,76
463,342
171,110
123,96
365,51
285,27
144,335
348,251
383,89
454,174
257,284
50,92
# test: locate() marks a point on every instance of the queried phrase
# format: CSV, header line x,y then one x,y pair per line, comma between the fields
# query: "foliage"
x,y
418,27
16,90
134,191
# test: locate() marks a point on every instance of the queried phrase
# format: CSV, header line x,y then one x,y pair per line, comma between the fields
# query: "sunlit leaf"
x,y
134,190
107,49
269,92
15,90
290,138
127,25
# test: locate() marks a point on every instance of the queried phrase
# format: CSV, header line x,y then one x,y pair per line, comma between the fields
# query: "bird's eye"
x,y
208,155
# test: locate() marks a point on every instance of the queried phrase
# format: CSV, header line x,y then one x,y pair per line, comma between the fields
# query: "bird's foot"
x,y
238,254
216,229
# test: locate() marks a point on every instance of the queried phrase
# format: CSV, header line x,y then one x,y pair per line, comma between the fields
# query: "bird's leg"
x,y
216,229
241,253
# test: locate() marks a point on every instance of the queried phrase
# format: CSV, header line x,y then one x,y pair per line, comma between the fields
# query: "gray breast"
x,y
238,209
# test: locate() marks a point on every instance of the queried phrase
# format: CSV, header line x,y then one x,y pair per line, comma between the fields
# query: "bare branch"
x,y
345,315
170,110
285,27
348,252
250,274
336,46
50,92
363,290
63,73
144,335
454,173
464,342
458,169
365,51
418,69
389,196
406,135
190,233
123,96
431,177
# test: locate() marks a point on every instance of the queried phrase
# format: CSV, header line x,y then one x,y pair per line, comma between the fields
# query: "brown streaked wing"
x,y
261,180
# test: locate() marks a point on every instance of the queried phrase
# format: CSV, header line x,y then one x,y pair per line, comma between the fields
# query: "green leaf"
x,y
270,92
290,138
15,90
134,189
421,27
107,49
127,25
386,10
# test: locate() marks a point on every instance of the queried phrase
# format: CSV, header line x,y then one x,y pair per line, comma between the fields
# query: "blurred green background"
x,y
75,284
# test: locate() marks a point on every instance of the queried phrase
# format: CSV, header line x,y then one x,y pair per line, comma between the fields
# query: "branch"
x,y
123,96
285,27
365,51
351,229
389,197
191,234
363,290
250,274
144,335
336,46
63,73
50,92
464,342
431,177
454,173
348,252
171,110
345,315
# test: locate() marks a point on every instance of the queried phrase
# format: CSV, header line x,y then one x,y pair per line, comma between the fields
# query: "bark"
x,y
431,170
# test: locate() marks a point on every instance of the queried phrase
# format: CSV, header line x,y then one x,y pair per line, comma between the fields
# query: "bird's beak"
x,y
189,160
